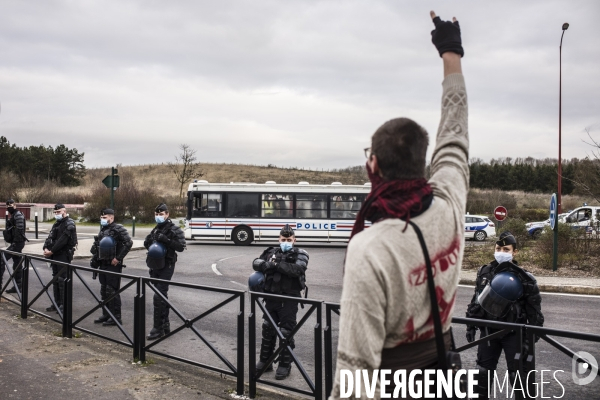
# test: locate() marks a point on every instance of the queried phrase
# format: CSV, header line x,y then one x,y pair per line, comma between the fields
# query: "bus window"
x,y
242,205
344,206
311,206
277,206
208,205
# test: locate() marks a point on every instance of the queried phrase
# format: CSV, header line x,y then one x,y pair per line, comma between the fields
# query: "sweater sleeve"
x,y
449,164
362,329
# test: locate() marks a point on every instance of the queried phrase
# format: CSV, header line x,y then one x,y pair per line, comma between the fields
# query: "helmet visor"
x,y
493,303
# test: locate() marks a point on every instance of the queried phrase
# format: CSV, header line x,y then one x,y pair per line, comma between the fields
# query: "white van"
x,y
479,227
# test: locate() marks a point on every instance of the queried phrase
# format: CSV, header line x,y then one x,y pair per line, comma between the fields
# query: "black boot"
x,y
104,317
111,322
158,330
267,346
285,359
11,290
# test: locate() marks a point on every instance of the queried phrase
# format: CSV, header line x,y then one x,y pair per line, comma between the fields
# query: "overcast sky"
x,y
291,83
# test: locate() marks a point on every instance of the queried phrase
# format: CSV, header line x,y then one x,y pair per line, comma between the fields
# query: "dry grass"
x,y
162,179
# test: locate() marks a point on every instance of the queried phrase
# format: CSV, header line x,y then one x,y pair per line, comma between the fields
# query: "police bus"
x,y
247,212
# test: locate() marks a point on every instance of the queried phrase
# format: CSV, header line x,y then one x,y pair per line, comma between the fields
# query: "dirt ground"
x,y
37,363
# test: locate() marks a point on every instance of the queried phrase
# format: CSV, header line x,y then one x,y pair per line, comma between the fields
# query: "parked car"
x,y
535,229
479,227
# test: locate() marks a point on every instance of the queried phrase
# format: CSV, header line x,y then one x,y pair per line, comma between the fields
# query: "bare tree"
x,y
185,167
587,178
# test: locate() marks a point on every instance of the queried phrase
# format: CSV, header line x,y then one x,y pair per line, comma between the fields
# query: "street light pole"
x,y
559,205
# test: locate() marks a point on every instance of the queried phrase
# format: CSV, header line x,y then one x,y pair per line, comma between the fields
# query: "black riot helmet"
x,y
256,282
287,231
497,297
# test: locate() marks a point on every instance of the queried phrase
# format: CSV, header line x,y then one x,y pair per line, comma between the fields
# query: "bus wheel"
x,y
242,236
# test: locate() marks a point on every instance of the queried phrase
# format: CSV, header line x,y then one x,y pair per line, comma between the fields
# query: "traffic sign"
x,y
111,181
553,211
500,213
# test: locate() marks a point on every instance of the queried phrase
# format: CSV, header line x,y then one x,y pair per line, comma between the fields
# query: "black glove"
x,y
94,275
471,335
269,266
163,238
94,263
446,37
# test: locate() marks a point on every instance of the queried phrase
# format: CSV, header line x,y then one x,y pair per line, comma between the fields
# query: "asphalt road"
x,y
228,266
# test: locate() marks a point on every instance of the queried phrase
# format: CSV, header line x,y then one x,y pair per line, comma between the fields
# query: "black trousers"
x,y
161,308
16,260
58,286
283,313
488,356
110,284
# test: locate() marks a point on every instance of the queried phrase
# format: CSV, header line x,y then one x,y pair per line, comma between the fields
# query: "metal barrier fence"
x,y
323,344
137,341
525,336
316,387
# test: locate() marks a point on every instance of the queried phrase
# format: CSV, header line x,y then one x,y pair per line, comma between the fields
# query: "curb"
x,y
573,289
83,257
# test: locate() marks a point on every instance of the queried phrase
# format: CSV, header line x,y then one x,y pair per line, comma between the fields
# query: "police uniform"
x,y
170,236
284,274
61,241
526,309
113,242
14,235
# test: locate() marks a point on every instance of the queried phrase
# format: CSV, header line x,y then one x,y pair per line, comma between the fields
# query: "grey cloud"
x,y
297,82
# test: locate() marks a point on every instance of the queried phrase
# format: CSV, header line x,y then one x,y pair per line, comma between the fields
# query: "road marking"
x,y
244,286
572,294
223,259
553,293
215,270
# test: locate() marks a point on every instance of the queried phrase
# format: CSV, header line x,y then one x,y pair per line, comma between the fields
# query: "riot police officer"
x,y
503,292
60,246
108,251
162,243
14,235
284,270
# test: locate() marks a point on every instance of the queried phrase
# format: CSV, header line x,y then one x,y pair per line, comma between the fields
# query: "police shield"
x,y
499,295
107,248
156,256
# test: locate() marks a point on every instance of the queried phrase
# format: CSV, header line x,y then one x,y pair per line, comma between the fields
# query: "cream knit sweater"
x,y
385,301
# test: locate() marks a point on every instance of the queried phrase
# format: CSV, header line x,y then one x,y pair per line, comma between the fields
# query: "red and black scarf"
x,y
401,199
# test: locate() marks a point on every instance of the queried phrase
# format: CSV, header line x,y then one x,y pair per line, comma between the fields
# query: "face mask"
x,y
103,222
159,219
58,217
11,210
501,256
286,246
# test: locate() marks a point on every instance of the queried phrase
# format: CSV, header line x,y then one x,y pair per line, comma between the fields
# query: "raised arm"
x,y
449,165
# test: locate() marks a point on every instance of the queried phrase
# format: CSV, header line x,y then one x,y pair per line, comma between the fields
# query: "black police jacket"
x,y
527,309
121,237
284,272
62,237
175,239
16,225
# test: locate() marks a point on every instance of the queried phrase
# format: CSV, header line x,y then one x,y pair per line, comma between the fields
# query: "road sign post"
x,y
112,182
554,226
500,213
